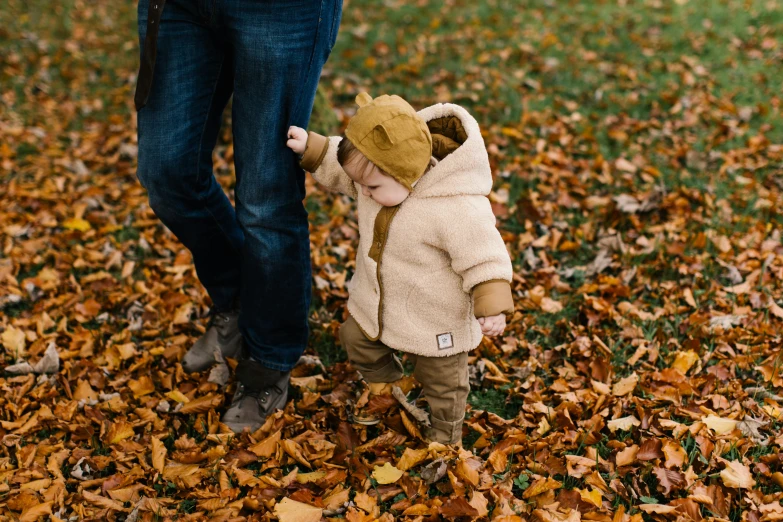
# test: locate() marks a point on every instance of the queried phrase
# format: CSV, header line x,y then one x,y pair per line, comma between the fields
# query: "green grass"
x,y
495,401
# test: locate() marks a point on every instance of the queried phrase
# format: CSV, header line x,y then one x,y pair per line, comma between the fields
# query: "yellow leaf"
x,y
625,165
294,450
627,456
543,426
684,360
35,512
84,392
624,423
479,503
660,509
288,510
541,485
13,340
101,501
719,425
182,315
77,224
737,475
687,294
141,387
313,476
772,410
591,497
774,309
625,386
411,458
467,472
367,503
600,387
119,431
386,474
722,243
551,306
178,396
512,132
267,447
158,454
202,404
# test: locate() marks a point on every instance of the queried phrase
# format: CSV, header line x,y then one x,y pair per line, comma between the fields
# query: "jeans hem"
x,y
274,365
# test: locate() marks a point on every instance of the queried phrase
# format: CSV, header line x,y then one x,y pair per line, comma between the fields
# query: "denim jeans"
x,y
268,54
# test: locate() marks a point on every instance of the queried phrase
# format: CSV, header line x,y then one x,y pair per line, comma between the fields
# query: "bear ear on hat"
x,y
381,137
363,99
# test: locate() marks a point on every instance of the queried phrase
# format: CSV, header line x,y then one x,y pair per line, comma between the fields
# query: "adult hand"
x,y
297,139
493,325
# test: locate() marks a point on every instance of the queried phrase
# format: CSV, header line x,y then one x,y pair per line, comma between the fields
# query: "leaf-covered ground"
x,y
638,149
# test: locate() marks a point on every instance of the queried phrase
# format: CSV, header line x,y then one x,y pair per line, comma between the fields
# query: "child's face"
x,y
383,189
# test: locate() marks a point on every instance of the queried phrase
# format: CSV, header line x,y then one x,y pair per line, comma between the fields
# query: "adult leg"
x,y
279,49
178,128
446,387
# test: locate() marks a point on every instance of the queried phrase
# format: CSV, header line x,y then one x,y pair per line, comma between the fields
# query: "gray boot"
x,y
222,334
260,391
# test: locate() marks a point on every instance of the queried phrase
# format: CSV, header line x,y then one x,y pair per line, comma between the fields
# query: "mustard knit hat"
x,y
389,132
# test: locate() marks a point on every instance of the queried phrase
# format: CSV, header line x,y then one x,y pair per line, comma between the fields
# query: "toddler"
x,y
432,272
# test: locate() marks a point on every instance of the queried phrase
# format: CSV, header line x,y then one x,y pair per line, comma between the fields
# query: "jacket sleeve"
x,y
320,159
478,254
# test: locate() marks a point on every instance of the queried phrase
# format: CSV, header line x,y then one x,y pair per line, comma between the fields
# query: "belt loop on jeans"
x,y
148,54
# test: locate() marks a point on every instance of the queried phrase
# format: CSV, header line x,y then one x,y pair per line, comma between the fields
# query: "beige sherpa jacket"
x,y
427,268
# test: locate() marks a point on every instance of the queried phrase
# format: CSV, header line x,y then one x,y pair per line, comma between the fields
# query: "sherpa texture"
x,y
442,242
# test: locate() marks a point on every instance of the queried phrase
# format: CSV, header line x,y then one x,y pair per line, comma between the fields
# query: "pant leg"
x,y
178,128
375,360
446,387
279,49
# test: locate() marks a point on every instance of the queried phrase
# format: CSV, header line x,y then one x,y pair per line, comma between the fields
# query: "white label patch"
x,y
445,341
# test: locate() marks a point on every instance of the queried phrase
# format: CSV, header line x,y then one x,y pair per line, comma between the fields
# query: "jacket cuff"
x,y
492,298
315,151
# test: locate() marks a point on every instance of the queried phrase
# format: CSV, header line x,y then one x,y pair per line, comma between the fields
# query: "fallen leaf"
x,y
386,474
623,423
626,385
736,475
684,360
720,425
288,510
158,454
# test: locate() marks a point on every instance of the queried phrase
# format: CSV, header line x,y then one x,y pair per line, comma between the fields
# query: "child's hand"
x,y
297,139
493,325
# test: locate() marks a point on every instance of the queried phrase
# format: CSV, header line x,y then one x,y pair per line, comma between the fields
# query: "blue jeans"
x,y
268,54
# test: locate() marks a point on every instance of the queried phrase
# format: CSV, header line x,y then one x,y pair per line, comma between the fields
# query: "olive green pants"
x,y
444,379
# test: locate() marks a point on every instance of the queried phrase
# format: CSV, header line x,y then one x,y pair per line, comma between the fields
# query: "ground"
x,y
638,150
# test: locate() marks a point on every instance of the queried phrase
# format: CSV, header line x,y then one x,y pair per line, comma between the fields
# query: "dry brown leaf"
x,y
720,425
684,360
624,423
411,458
294,450
33,513
288,510
541,485
627,456
202,404
737,475
103,502
626,385
158,454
